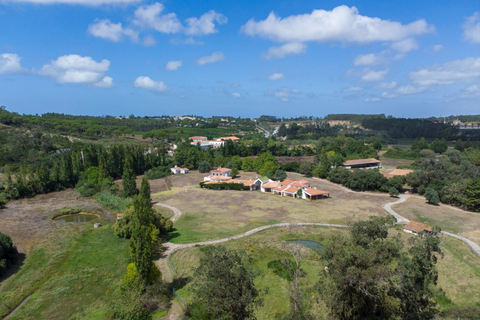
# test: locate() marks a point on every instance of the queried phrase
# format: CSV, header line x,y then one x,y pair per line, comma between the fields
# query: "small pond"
x,y
315,246
76,218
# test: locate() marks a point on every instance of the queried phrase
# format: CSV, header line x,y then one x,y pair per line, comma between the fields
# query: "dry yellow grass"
x,y
466,224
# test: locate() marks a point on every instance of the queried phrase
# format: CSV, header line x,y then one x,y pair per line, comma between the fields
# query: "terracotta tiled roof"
x,y
315,192
221,170
360,161
286,182
280,188
271,184
223,178
291,190
303,181
417,227
298,184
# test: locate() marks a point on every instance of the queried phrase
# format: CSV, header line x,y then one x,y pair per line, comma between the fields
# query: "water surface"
x,y
315,246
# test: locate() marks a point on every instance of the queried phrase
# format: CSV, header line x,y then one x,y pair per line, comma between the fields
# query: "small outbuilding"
x,y
417,227
370,163
178,170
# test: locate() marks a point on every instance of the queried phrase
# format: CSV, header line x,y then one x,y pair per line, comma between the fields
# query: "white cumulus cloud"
x,y
152,17
405,45
283,94
173,65
284,50
404,90
236,95
371,75
149,16
77,2
149,84
437,47
106,82
371,59
342,24
457,71
371,99
214,57
471,28
276,76
73,68
205,24
10,63
114,32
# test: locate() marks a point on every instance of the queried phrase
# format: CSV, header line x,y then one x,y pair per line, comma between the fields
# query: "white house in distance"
x,y
178,170
220,174
197,139
370,163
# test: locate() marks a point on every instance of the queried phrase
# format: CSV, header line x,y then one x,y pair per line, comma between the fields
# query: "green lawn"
x,y
70,276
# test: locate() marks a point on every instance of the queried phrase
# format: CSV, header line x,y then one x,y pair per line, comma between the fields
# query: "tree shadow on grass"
x,y
14,267
174,233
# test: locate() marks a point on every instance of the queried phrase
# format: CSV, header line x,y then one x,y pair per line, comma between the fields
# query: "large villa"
x,y
286,188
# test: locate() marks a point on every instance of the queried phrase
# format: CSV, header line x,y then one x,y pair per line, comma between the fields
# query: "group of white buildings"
x,y
286,188
216,143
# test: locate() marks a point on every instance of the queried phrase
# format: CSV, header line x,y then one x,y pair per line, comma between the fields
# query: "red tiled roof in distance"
x,y
291,190
417,227
271,184
286,182
360,161
221,170
315,192
299,185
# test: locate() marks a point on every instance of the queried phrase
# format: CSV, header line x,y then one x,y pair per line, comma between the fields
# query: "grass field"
x,y
463,223
71,275
214,214
459,270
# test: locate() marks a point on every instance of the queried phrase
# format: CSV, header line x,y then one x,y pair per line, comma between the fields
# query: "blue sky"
x,y
242,58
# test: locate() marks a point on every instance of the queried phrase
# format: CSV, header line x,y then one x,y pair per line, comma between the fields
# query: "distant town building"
x,y
198,138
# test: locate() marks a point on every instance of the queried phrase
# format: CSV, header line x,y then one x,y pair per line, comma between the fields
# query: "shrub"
x,y
393,192
432,196
291,166
111,201
280,175
224,186
3,199
7,252
158,173
204,167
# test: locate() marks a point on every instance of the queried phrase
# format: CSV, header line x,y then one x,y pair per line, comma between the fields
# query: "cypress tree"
x,y
141,241
128,178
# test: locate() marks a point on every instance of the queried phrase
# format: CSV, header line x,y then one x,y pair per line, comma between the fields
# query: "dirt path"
x,y
176,213
388,208
162,263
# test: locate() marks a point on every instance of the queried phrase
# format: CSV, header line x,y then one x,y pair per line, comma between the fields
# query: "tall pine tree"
x,y
128,178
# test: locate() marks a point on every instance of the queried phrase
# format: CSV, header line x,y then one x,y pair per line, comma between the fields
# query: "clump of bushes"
x,y
224,186
8,252
91,182
158,173
113,202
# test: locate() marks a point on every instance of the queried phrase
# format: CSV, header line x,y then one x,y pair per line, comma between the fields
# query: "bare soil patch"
x,y
29,221
389,163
